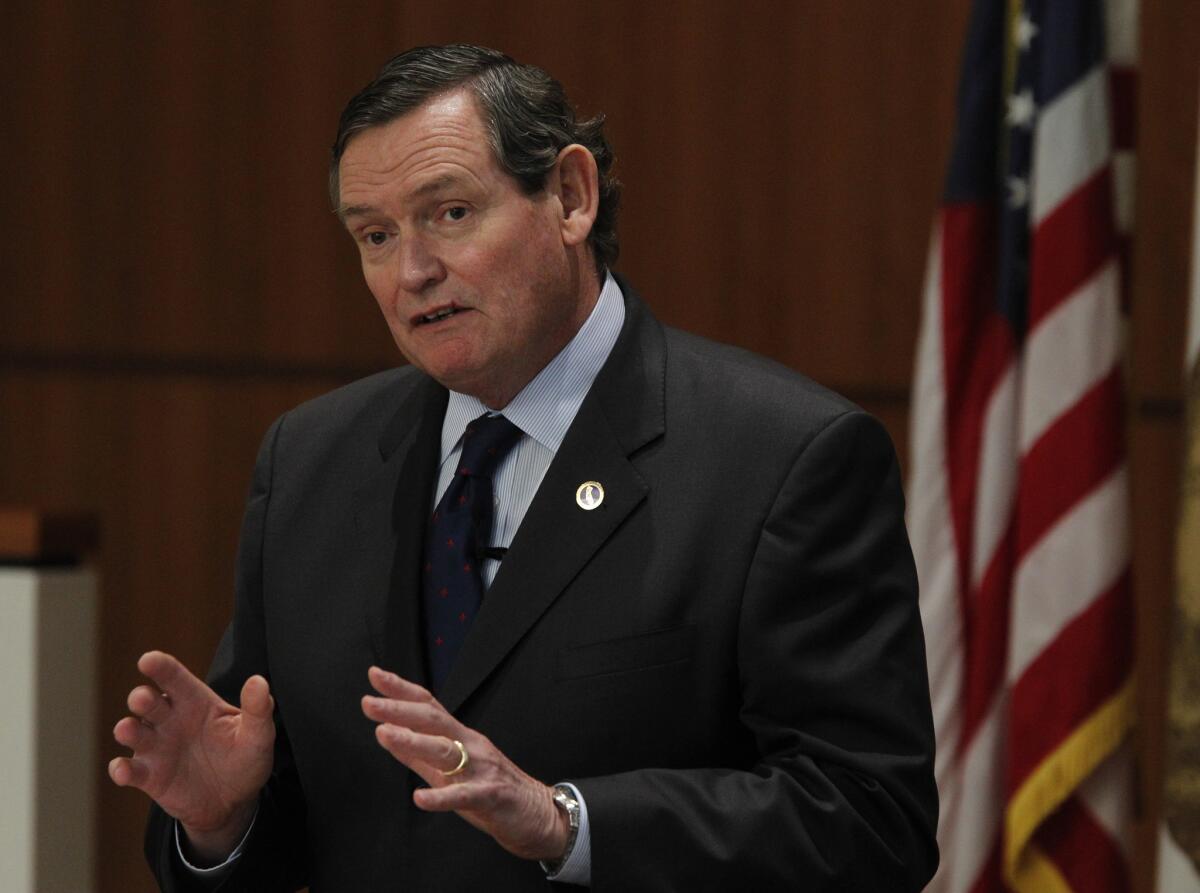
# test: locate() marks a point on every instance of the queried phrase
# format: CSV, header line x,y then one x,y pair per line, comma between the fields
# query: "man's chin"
x,y
469,380
457,370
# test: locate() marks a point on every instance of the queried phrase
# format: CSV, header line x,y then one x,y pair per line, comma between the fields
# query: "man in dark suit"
x,y
683,651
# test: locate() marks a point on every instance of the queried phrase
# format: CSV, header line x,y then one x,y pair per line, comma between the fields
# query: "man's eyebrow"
x,y
345,211
430,187
437,184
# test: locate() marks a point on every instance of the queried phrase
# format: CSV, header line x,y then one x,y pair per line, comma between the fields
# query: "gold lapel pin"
x,y
589,495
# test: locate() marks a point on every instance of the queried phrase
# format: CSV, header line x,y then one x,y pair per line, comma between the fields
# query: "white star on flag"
x,y
1018,192
1021,109
1026,31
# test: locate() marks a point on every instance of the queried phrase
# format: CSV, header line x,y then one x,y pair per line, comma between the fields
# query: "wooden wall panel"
x,y
172,276
1167,103
778,166
1167,125
166,459
1155,456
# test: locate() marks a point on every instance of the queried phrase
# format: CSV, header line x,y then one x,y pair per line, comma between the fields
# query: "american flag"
x,y
1019,493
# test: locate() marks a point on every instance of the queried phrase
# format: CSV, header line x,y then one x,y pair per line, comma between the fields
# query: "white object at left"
x,y
48,764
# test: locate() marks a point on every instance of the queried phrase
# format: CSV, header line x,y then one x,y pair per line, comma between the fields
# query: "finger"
x,y
126,772
457,798
258,707
435,751
172,677
393,686
149,704
132,733
397,742
428,718
425,760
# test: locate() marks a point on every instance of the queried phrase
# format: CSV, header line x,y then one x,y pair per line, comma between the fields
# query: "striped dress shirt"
x,y
543,410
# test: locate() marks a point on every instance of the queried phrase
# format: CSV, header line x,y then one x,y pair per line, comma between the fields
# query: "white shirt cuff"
x,y
215,870
577,868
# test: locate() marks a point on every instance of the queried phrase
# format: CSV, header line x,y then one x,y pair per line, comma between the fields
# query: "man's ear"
x,y
575,182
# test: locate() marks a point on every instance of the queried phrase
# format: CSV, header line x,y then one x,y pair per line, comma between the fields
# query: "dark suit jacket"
x,y
726,656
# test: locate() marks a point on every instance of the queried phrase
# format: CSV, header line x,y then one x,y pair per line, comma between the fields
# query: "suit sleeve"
x,y
835,693
271,860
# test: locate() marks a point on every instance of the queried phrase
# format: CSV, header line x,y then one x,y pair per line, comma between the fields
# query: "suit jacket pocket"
x,y
640,652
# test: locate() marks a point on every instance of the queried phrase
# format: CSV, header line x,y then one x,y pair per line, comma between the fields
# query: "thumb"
x,y
257,703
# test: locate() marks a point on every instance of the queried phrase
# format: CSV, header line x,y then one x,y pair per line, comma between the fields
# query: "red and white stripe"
x,y
1019,497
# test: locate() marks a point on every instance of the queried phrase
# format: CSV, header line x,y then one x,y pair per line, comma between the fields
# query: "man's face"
x,y
472,275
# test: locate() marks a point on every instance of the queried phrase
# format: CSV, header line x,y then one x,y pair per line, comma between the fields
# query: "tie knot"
x,y
486,442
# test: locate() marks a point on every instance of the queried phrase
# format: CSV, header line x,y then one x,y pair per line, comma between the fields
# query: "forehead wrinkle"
x,y
430,178
449,145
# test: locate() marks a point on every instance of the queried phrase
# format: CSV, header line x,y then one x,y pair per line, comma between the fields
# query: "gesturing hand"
x,y
201,759
491,793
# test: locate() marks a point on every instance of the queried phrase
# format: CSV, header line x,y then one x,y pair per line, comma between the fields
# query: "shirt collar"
x,y
545,408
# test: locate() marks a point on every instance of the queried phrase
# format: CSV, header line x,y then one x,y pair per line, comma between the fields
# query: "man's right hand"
x,y
201,759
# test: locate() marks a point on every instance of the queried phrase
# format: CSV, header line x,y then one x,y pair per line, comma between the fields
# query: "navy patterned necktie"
x,y
458,533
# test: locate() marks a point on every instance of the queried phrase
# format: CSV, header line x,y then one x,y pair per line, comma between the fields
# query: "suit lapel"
x,y
622,413
391,508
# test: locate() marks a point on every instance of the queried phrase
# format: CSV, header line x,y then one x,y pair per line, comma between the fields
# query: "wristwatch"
x,y
565,800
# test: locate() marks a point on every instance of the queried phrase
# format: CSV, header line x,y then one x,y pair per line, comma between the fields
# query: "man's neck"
x,y
496,400
546,406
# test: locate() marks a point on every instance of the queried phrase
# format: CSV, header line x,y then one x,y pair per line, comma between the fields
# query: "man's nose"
x,y
420,265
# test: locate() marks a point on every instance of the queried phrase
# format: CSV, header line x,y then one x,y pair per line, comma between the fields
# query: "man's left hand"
x,y
492,793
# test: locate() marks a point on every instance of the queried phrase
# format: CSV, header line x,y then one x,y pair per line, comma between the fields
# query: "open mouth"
x,y
438,315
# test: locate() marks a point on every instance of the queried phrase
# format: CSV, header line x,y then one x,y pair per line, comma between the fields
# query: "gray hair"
x,y
527,113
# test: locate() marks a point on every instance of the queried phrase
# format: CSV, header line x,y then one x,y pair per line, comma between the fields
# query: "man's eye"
x,y
376,238
458,212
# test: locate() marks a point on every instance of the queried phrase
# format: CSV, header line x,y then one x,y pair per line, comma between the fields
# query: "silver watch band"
x,y
565,800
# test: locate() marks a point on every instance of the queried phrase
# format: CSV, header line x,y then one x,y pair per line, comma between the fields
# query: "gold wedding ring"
x,y
463,759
